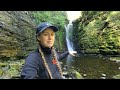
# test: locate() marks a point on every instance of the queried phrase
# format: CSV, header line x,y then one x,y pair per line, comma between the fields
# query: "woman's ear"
x,y
38,38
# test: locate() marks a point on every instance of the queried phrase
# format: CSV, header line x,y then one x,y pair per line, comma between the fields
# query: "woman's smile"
x,y
49,42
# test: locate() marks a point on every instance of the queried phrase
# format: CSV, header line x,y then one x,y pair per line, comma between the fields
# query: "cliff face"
x,y
17,33
98,32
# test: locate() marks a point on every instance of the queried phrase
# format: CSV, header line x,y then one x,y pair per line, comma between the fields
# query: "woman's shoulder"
x,y
33,57
33,54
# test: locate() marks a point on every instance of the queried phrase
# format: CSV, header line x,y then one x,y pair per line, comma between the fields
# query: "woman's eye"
x,y
45,34
52,34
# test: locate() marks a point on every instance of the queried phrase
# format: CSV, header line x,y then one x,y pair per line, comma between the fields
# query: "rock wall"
x,y
98,32
17,33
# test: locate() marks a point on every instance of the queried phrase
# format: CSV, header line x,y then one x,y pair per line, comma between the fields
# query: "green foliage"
x,y
114,17
99,30
11,68
60,40
55,17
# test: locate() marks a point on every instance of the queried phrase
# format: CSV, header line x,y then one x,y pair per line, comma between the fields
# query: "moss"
x,y
3,65
116,76
1,72
114,58
92,51
11,68
100,32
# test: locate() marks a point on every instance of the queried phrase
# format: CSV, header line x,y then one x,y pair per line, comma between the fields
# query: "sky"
x,y
72,15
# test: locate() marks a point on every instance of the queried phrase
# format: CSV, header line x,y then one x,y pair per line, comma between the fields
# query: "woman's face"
x,y
47,38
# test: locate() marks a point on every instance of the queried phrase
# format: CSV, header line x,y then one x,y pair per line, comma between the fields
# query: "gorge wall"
x,y
17,33
98,32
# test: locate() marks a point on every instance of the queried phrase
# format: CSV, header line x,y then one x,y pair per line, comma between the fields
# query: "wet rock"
x,y
103,77
103,74
16,29
84,75
116,76
72,74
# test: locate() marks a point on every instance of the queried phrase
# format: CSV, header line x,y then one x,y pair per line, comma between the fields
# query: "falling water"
x,y
69,37
69,31
72,15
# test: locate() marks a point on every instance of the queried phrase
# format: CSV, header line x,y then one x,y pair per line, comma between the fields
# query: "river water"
x,y
92,67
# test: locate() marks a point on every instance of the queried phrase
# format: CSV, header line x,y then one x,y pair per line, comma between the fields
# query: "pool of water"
x,y
92,67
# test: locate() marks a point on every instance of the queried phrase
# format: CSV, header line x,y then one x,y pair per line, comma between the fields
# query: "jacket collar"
x,y
45,50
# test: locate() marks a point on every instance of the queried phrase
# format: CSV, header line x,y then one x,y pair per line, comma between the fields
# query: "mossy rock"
x,y
116,76
15,66
74,74
115,58
3,64
12,72
1,72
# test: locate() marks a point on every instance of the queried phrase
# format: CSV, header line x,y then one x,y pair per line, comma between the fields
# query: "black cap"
x,y
42,26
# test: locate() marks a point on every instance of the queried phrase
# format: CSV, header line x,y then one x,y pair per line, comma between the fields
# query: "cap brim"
x,y
55,29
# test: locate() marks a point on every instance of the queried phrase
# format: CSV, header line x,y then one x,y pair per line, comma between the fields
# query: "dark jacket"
x,y
34,67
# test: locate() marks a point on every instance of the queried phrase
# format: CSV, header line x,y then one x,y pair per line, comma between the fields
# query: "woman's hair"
x,y
37,36
55,57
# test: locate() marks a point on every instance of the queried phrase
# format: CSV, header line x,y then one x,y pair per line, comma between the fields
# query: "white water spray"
x,y
72,15
69,31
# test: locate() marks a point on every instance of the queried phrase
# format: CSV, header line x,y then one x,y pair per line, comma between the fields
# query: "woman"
x,y
43,63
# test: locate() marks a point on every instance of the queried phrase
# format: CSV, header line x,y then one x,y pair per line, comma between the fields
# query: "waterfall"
x,y
69,39
69,42
69,31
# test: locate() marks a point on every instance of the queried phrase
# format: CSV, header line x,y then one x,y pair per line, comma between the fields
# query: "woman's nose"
x,y
50,36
